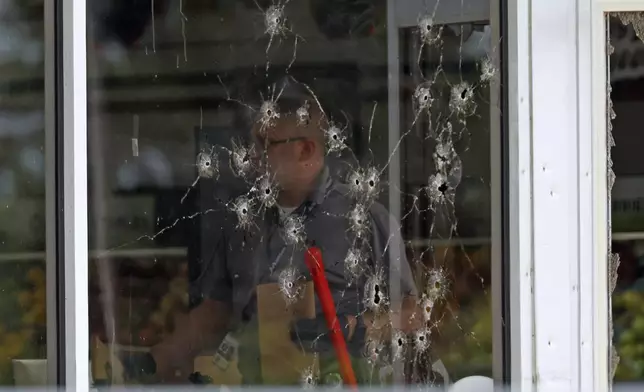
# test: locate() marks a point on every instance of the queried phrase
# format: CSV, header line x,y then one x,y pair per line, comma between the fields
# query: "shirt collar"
x,y
321,188
315,197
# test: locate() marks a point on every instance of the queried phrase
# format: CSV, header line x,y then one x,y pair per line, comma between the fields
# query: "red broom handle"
x,y
313,260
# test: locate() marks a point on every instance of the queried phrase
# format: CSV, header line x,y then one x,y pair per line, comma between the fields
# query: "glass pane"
x,y
22,192
627,82
231,141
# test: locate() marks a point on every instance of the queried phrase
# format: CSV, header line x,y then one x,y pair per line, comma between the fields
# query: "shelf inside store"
x,y
182,251
628,236
456,241
141,252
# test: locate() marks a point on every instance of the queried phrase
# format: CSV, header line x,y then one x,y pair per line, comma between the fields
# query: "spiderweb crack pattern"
x,y
441,105
291,283
266,191
277,26
240,160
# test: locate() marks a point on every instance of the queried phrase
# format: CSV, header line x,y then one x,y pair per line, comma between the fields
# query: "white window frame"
x,y
521,317
69,318
558,194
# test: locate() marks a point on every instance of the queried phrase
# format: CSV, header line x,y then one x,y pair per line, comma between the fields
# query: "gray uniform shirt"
x,y
245,258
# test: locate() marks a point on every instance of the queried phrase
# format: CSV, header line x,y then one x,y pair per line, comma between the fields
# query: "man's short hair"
x,y
289,95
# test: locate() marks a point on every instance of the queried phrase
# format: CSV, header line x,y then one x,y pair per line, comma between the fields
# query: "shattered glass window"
x,y
292,192
626,180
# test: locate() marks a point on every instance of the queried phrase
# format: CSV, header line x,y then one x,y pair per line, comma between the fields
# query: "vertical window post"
x,y
519,180
71,91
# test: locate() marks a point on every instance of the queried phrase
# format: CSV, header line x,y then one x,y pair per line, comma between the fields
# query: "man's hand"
x,y
202,328
314,334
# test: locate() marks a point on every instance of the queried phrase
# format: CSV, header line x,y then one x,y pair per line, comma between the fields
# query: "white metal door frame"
x,y
71,46
519,177
558,224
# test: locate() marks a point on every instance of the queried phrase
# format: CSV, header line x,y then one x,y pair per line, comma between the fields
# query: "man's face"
x,y
278,150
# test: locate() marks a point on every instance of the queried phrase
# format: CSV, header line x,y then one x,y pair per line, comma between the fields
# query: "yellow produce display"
x,y
462,327
628,313
149,295
22,315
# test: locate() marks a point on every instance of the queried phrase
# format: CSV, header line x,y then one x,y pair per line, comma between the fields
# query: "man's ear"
x,y
307,150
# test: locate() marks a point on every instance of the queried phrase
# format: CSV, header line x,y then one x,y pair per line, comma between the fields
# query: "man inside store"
x,y
290,143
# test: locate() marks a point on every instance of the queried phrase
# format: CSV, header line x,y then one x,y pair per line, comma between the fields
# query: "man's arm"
x,y
204,326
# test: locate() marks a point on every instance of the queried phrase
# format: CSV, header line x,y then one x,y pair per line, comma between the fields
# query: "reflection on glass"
x,y
240,216
627,224
22,195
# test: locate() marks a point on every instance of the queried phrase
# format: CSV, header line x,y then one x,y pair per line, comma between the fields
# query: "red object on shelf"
x,y
315,264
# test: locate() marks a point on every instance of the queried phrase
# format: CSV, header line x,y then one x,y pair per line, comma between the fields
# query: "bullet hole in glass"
x,y
376,296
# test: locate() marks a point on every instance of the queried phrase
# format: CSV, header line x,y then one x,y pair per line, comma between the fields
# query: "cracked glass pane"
x,y
277,183
625,179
